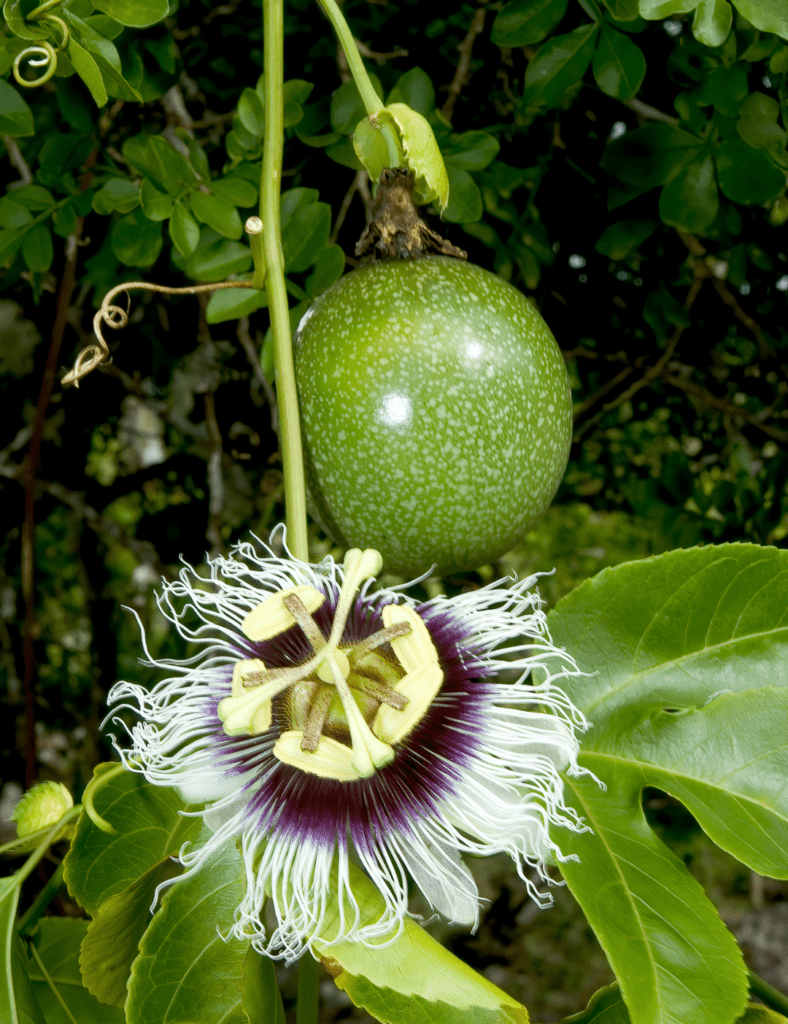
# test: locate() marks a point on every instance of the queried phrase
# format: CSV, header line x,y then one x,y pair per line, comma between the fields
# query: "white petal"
x,y
440,873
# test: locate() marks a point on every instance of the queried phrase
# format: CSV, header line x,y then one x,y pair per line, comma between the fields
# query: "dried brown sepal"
x,y
396,232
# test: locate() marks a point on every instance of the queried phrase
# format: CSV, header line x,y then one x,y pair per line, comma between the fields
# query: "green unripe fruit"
x,y
436,413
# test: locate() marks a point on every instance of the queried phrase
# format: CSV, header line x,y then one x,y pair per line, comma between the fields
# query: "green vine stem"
x,y
289,425
771,996
308,1005
372,102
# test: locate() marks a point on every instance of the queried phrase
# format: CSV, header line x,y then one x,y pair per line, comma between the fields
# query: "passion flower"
x,y
436,412
321,723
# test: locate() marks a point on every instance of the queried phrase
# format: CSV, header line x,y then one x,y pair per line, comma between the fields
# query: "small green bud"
x,y
42,806
778,214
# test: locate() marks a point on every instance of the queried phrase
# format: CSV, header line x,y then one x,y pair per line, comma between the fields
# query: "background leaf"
x,y
525,22
58,948
186,971
618,63
16,117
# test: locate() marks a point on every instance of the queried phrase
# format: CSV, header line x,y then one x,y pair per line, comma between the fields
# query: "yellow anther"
x,y
242,669
246,715
324,672
415,648
331,760
271,617
420,687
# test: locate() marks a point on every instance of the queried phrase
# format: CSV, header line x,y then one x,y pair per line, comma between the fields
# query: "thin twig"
x,y
16,158
650,113
597,396
462,75
726,407
216,491
252,354
30,471
379,58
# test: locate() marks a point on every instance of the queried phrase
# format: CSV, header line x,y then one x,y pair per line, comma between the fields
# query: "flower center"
x,y
347,705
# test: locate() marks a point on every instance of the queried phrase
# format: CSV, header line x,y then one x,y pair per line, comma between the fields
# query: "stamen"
x,y
378,691
272,617
247,714
369,752
383,636
331,759
420,687
242,671
416,648
309,627
316,719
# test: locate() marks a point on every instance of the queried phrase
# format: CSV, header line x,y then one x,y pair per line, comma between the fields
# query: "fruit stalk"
x,y
289,425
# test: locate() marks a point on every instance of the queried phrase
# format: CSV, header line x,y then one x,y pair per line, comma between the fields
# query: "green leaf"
x,y
347,108
88,70
618,63
184,230
414,980
13,215
10,241
653,9
261,999
471,151
234,303
156,205
731,779
712,22
748,175
186,971
766,15
216,213
64,221
235,190
650,156
607,1007
560,63
112,941
135,13
16,117
216,258
344,152
758,125
136,241
725,88
525,22
116,194
155,158
465,199
305,235
690,200
673,957
17,1002
673,630
58,948
252,112
624,237
37,249
416,90
421,153
148,828
33,197
329,266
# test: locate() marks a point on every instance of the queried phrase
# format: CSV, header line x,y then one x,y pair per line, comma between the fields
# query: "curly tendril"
x,y
42,54
116,317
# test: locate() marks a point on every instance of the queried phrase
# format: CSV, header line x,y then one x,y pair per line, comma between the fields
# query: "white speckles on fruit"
x,y
436,412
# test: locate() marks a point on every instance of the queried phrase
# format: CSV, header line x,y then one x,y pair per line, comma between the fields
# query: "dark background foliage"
x,y
665,289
